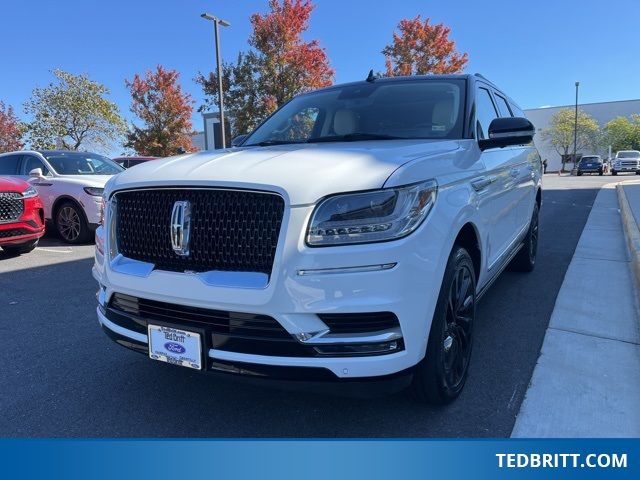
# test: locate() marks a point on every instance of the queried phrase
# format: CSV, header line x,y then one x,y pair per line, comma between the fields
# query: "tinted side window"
x,y
485,113
517,111
9,164
503,106
29,162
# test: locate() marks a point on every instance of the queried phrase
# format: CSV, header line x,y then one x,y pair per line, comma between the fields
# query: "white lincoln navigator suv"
x,y
346,240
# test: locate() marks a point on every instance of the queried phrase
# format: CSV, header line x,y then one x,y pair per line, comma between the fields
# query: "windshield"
x,y
415,109
629,154
77,163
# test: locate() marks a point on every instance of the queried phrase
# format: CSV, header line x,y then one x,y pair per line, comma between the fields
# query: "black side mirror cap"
x,y
239,140
507,131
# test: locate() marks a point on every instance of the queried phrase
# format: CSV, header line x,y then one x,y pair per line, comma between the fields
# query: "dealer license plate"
x,y
179,347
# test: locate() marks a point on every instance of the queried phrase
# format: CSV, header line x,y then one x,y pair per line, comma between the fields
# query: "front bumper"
x,y
29,227
305,283
309,379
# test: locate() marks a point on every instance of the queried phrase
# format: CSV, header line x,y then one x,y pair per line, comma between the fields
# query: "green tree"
x,y
561,133
280,65
73,113
622,133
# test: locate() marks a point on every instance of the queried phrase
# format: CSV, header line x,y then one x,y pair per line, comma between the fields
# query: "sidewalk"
x,y
587,379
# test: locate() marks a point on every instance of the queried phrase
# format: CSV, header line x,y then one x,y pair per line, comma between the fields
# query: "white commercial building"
x,y
601,112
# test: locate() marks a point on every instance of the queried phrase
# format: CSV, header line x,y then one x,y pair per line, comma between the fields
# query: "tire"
x,y
613,172
22,248
440,377
579,173
525,260
71,225
600,172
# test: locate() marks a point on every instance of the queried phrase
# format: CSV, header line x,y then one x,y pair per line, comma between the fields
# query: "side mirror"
x,y
36,173
507,131
237,141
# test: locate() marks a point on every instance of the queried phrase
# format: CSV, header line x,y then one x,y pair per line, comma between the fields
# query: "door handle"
x,y
479,184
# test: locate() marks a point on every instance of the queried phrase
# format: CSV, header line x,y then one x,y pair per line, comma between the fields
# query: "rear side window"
x,y
485,113
9,164
517,111
503,106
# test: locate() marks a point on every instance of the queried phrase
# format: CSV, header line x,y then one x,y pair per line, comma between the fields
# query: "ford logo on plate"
x,y
174,347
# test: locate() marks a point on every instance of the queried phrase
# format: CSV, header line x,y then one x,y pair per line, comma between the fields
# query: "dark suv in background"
x,y
591,164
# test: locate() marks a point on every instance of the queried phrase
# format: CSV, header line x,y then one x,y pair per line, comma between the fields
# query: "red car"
x,y
21,216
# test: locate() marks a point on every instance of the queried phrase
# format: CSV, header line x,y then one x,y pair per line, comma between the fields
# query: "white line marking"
x,y
54,251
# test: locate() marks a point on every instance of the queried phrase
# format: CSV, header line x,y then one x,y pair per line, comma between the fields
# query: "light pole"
x,y
218,21
575,131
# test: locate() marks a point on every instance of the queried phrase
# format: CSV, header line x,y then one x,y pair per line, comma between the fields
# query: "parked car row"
x,y
625,161
67,187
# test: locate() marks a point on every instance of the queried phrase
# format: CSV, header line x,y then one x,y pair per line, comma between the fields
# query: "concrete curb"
x,y
631,232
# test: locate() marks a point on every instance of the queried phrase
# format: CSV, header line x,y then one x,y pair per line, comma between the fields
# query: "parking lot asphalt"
x,y
62,377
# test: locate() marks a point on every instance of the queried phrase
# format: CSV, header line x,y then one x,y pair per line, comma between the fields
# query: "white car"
x,y
626,161
70,185
347,239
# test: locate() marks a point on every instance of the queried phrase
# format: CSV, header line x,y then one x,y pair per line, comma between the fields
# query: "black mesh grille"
x,y
231,230
14,232
359,322
11,206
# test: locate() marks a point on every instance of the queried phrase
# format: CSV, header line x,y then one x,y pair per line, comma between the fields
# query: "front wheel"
x,y
71,224
613,172
579,173
525,259
439,378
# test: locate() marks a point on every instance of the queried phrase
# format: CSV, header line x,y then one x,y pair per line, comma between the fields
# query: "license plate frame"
x,y
174,345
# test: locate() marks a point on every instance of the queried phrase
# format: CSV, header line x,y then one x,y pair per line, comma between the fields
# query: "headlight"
x,y
94,191
374,216
30,193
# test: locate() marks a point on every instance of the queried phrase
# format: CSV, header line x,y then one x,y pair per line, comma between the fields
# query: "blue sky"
x,y
534,50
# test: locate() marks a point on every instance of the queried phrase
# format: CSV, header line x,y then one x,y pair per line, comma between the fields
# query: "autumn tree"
x,y
419,48
165,111
10,130
73,113
279,65
622,133
561,132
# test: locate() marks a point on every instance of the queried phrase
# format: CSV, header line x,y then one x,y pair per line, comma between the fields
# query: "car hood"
x,y
9,184
301,173
98,181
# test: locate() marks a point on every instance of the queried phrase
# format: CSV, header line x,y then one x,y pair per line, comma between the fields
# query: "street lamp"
x,y
218,21
575,131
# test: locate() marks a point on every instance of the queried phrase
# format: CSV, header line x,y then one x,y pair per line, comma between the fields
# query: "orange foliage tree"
x,y
280,65
165,111
420,48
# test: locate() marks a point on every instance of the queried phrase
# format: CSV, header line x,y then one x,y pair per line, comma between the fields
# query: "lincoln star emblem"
x,y
181,227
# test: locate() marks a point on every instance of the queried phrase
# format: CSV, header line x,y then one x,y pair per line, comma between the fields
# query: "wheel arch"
x,y
469,238
60,201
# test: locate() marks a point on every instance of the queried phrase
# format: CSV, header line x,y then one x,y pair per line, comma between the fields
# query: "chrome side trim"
x,y
353,338
507,250
331,271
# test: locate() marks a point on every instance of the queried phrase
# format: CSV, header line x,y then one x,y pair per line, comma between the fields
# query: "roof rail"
x,y
480,75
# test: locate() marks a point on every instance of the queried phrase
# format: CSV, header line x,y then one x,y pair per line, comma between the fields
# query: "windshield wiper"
x,y
355,137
